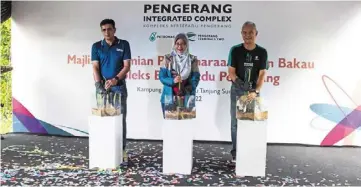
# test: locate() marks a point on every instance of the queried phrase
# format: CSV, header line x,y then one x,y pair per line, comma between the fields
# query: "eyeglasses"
x,y
180,44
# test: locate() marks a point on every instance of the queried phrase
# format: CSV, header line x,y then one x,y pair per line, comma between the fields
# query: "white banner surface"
x,y
312,89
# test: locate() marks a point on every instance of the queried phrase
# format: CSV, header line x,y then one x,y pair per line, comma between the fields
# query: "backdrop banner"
x,y
312,89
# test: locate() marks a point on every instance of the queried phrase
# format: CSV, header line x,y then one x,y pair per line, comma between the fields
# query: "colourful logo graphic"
x,y
191,36
152,36
24,121
348,120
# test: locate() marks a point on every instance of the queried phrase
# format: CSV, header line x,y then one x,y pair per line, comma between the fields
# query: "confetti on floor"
x,y
46,160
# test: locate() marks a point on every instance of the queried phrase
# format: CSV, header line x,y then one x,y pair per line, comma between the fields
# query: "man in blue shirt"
x,y
111,63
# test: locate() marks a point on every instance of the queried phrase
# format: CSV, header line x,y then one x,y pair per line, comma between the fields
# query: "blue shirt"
x,y
110,57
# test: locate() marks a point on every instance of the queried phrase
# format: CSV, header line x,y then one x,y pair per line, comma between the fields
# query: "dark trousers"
x,y
163,110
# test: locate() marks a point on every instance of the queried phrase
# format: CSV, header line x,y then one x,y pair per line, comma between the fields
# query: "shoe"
x,y
125,159
2,138
125,156
233,153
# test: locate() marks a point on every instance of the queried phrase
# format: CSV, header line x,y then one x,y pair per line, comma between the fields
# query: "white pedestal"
x,y
105,142
177,147
251,148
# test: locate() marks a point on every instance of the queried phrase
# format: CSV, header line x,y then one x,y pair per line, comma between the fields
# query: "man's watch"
x,y
116,78
255,91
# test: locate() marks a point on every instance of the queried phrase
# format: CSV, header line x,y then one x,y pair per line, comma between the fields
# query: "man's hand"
x,y
247,86
110,83
239,83
232,73
99,88
251,96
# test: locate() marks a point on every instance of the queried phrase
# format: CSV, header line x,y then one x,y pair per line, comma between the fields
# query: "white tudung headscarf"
x,y
182,62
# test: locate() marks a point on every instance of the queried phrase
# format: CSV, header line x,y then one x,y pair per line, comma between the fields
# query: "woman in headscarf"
x,y
179,72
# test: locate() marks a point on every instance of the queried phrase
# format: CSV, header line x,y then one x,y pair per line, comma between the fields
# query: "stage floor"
x,y
46,160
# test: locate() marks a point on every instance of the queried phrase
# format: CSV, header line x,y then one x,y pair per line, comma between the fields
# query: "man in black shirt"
x,y
247,65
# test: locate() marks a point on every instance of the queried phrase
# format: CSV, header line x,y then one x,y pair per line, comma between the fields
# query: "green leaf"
x,y
5,82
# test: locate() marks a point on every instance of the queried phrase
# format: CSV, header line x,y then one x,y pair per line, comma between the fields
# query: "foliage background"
x,y
6,94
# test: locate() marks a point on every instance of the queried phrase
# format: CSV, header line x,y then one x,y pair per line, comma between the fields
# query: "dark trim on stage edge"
x,y
6,8
197,141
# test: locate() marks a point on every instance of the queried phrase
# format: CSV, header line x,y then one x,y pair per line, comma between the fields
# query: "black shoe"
x,y
2,138
233,153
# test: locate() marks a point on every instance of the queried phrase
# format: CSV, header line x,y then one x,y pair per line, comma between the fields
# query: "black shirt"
x,y
248,63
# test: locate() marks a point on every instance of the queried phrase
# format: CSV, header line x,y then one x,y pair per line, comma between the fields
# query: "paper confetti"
x,y
45,160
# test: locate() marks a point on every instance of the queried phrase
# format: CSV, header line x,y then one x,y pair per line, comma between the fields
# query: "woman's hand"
x,y
177,79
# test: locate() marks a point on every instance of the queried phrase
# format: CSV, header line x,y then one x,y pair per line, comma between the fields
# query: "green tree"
x,y
6,94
